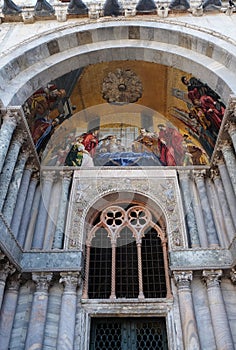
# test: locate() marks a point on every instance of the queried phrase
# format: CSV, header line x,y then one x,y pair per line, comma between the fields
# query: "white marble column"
x,y
9,166
66,331
35,333
39,233
8,309
10,201
6,269
188,209
227,218
229,192
189,328
21,197
61,218
20,228
6,131
230,161
206,210
219,317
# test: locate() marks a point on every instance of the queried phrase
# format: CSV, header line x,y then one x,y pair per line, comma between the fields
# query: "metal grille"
x,y
105,335
128,334
126,266
154,283
150,335
100,266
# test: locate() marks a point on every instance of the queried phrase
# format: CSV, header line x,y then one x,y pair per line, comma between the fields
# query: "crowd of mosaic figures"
x,y
44,8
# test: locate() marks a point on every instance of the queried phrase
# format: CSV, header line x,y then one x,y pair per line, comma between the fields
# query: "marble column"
x,y
66,331
39,233
61,219
9,166
189,328
231,199
35,333
6,131
219,317
227,218
188,209
21,197
8,309
6,269
230,162
10,201
206,210
20,227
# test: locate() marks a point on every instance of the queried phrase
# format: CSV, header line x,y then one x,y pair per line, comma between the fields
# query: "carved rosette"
x,y
122,86
161,191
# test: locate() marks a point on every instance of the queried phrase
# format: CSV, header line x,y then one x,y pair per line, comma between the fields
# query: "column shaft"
x,y
224,207
68,311
206,210
20,202
7,129
228,190
21,227
35,333
188,322
10,201
8,168
60,225
8,310
230,162
219,317
42,217
188,210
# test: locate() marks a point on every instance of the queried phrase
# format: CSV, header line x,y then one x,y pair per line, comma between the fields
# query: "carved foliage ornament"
x,y
122,86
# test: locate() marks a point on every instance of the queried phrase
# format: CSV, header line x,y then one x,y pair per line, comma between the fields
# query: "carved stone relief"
x,y
162,192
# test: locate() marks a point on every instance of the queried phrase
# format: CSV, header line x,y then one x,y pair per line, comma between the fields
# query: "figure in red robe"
x,y
170,145
90,141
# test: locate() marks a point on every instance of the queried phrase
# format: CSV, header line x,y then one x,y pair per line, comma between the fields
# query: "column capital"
x,y
49,176
233,275
225,145
212,278
6,268
19,137
214,173
199,174
42,280
66,175
13,282
183,279
70,280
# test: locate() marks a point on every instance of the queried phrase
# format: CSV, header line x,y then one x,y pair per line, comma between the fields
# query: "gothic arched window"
x,y
126,256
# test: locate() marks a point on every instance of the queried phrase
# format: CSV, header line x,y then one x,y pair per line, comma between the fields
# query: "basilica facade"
x,y
117,175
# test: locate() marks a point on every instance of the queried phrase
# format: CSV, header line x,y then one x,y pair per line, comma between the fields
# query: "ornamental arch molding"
x,y
157,190
32,63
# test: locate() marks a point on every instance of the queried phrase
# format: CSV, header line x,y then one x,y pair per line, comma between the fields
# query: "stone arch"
x,y
34,63
92,193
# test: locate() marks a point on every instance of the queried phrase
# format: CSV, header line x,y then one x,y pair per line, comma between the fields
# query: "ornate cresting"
x,y
159,189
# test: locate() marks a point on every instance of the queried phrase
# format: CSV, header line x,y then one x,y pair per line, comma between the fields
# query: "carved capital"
x,y
13,283
183,279
6,268
66,175
42,280
70,280
225,146
19,137
214,173
199,174
212,278
49,176
184,174
231,128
